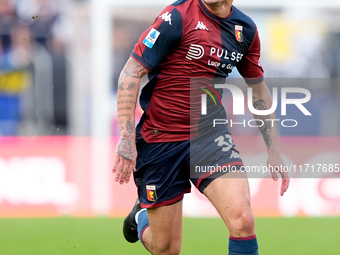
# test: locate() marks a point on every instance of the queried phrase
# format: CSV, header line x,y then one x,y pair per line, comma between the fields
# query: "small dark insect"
x,y
35,17
24,39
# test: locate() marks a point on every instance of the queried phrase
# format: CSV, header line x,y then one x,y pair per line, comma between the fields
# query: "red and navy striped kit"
x,y
187,41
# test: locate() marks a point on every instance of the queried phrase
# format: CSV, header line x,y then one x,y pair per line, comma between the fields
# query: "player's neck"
x,y
219,8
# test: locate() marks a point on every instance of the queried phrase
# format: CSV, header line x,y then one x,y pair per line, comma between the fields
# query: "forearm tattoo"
x,y
265,129
129,127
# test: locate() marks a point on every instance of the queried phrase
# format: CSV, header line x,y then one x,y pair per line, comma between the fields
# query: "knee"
x,y
167,247
163,243
242,224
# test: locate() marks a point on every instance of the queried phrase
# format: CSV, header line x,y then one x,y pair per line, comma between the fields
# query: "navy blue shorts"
x,y
164,170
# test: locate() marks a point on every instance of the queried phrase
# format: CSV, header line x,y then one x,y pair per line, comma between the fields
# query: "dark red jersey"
x,y
187,41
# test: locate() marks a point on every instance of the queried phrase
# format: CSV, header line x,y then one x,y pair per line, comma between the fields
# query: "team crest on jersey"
x,y
151,38
239,33
151,193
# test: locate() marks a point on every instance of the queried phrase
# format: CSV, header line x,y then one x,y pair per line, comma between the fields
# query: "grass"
x,y
96,236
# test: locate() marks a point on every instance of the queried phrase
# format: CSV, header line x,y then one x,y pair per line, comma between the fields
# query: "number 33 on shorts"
x,y
226,142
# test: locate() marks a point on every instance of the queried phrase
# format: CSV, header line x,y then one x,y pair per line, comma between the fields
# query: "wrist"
x,y
273,150
127,135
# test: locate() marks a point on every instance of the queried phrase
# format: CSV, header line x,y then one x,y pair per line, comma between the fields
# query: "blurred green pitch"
x,y
94,236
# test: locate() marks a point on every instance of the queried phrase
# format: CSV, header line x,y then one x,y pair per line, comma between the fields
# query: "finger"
x,y
284,185
274,175
127,179
125,170
120,169
115,163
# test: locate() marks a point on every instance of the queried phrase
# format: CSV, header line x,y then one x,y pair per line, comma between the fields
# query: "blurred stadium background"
x,y
59,66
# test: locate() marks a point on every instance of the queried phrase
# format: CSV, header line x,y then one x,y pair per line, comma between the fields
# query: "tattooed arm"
x,y
262,100
128,88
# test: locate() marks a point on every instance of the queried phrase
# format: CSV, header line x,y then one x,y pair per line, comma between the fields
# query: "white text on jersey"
x,y
223,52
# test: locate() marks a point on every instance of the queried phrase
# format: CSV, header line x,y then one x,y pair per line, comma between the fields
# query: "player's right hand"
x,y
125,159
276,162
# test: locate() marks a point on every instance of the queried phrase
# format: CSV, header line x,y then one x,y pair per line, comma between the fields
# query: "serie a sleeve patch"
x,y
151,38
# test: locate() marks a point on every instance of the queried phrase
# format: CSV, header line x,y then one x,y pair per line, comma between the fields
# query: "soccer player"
x,y
190,39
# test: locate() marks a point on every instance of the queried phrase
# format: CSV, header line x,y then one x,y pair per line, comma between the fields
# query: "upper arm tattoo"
x,y
132,69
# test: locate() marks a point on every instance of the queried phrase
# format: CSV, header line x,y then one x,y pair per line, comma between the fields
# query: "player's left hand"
x,y
276,165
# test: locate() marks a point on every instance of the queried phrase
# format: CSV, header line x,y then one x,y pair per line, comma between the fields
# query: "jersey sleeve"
x,y
157,41
250,67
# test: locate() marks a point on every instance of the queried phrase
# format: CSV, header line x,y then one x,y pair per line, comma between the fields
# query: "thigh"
x,y
165,231
212,155
230,196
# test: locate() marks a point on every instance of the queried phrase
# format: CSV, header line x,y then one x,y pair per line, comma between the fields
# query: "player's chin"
x,y
212,1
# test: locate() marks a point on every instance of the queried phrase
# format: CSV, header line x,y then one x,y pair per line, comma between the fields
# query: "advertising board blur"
x,y
51,176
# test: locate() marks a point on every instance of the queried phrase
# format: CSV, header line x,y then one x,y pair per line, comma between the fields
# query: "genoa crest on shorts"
x,y
151,192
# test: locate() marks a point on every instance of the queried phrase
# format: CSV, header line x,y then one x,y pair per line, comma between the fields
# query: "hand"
x,y
125,159
276,165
